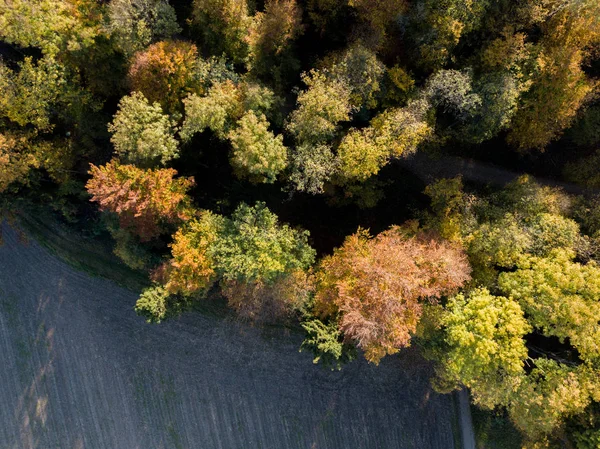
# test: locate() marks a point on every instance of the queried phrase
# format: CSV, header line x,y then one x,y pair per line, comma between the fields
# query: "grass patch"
x,y
93,256
493,430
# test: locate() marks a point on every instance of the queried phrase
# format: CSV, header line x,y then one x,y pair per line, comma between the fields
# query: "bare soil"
x,y
80,370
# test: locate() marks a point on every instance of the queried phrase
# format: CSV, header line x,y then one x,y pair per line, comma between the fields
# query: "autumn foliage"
x,y
378,285
145,200
164,72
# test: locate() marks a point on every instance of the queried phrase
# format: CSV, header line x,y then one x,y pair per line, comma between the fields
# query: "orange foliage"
x,y
376,285
164,73
145,200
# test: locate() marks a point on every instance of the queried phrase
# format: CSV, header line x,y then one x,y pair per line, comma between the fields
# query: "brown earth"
x,y
81,371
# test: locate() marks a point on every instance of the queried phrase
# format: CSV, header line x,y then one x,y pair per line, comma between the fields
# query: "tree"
x,y
379,15
325,341
146,201
311,166
558,91
486,347
156,304
223,25
142,134
257,153
15,160
437,27
261,265
376,286
452,91
191,269
361,155
261,301
358,68
559,86
560,298
402,130
254,247
38,93
165,73
135,24
395,132
54,26
320,108
217,111
270,37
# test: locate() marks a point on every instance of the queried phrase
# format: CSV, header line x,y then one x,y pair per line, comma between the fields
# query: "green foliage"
x,y
38,93
452,91
438,25
255,247
560,297
326,344
360,155
270,39
154,304
320,108
311,166
223,26
394,133
135,24
54,26
486,347
257,154
216,111
16,160
360,70
142,134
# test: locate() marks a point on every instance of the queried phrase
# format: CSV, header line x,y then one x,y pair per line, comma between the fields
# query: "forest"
x,y
251,151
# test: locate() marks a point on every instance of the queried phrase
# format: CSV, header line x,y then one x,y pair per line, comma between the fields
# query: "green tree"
x,y
54,26
311,166
325,341
358,68
395,132
560,298
223,25
217,111
257,154
436,28
320,108
486,348
270,39
141,133
16,160
255,247
39,93
135,24
452,92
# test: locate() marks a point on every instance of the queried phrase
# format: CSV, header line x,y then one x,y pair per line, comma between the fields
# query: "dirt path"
x,y
429,168
466,423
81,371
